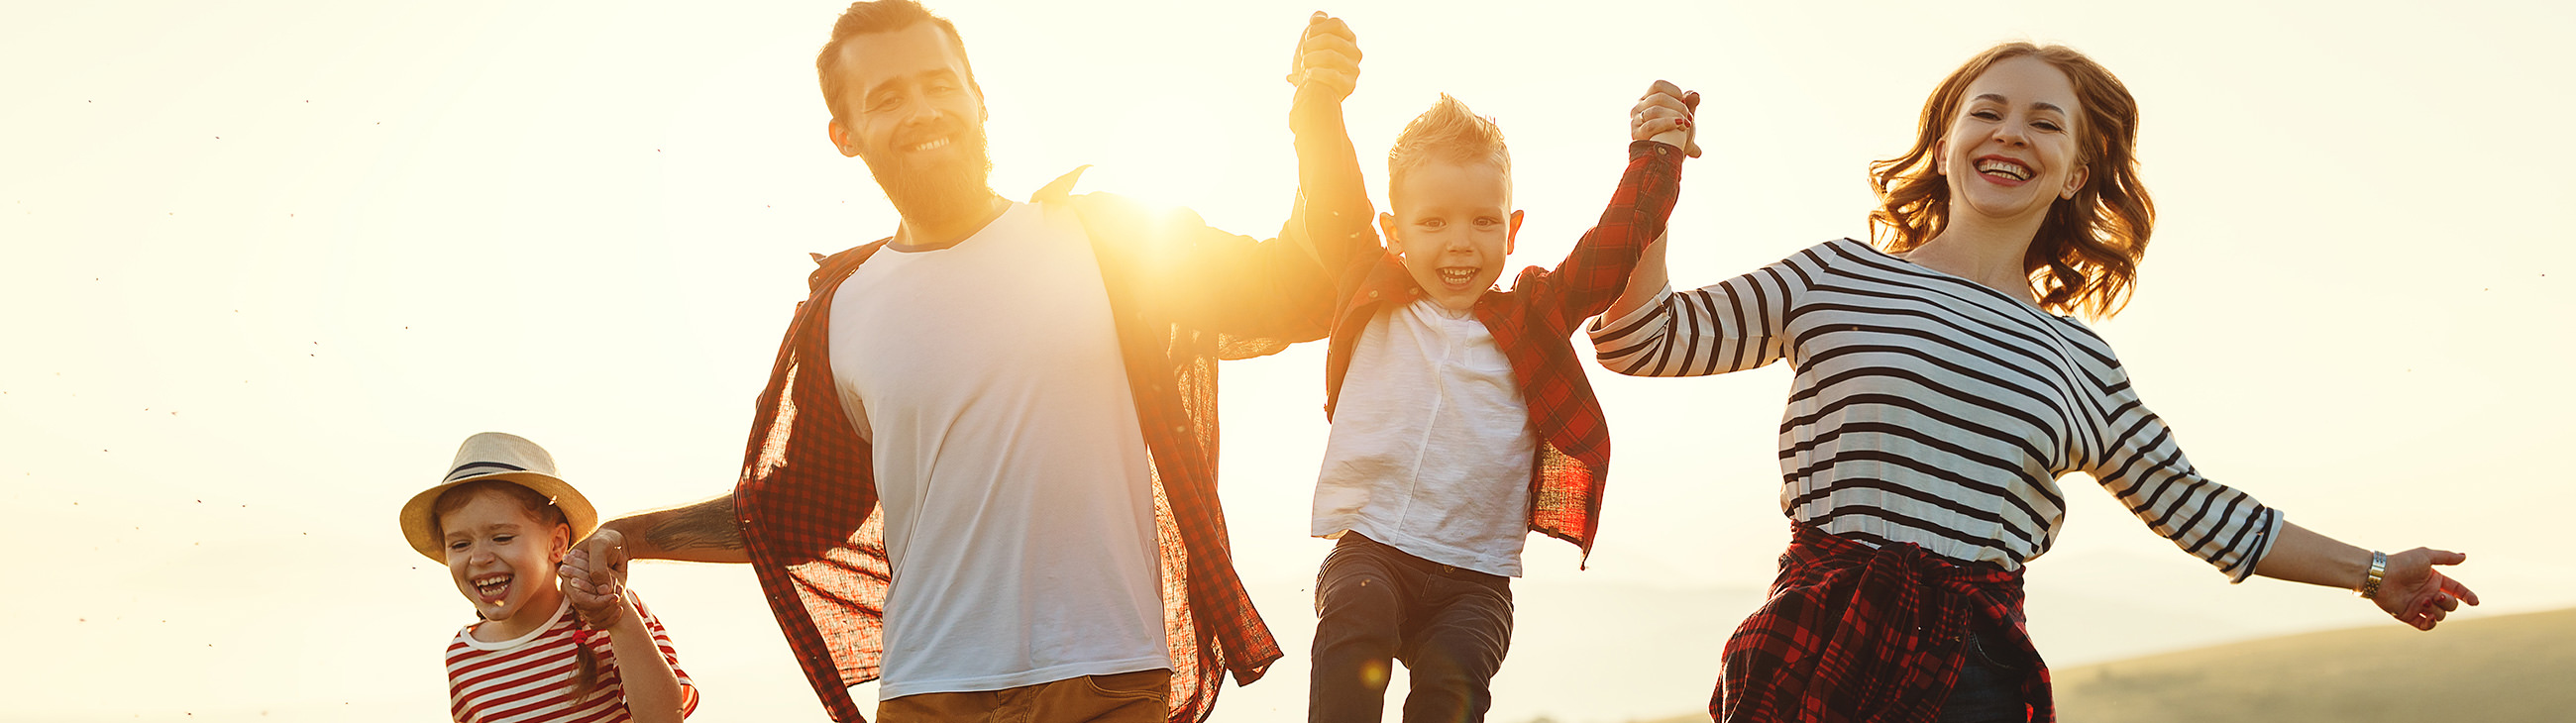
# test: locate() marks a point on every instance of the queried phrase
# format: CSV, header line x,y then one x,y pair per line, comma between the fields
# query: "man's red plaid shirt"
x,y
1533,324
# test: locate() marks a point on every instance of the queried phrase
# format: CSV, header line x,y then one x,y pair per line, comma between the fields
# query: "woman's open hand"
x,y
2416,594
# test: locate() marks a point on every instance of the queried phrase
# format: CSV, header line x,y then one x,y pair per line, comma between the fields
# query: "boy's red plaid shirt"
x,y
1533,324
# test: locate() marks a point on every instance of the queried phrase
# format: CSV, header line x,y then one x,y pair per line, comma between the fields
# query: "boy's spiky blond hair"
x,y
1450,133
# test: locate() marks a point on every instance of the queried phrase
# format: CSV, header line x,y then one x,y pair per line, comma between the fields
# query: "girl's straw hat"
x,y
497,456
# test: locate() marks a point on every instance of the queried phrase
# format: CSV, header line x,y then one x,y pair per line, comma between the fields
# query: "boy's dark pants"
x,y
1450,626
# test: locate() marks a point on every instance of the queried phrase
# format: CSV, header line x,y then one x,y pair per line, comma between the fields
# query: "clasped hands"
x,y
1327,61
594,578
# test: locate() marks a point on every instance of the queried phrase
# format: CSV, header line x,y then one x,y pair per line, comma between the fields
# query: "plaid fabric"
x,y
1184,296
1533,324
1856,633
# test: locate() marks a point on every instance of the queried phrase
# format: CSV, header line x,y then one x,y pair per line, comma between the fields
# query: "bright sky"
x,y
266,264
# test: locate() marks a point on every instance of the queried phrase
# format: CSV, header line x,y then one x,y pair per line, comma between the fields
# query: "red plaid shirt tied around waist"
x,y
1533,324
1183,296
1856,633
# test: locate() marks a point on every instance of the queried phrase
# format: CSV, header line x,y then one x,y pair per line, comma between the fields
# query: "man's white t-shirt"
x,y
1431,445
1018,501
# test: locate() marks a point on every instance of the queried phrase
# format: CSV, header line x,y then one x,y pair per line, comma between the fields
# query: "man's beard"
x,y
947,189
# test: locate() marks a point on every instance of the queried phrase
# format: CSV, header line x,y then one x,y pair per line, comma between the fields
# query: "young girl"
x,y
1941,390
502,521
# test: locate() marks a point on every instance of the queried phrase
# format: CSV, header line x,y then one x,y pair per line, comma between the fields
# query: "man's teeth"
x,y
932,146
2006,169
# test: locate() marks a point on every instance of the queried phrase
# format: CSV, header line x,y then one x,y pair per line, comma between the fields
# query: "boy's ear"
x,y
841,138
1512,237
1386,225
562,537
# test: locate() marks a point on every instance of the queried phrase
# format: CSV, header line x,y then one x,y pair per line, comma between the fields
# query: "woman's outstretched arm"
x,y
1644,281
2410,590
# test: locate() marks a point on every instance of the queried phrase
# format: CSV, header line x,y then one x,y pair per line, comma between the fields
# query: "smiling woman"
x,y
2069,119
1939,395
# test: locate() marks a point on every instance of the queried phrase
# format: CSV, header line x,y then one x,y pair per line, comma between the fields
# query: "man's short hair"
x,y
880,16
1450,133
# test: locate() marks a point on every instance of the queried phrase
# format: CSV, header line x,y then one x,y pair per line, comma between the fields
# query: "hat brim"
x,y
421,531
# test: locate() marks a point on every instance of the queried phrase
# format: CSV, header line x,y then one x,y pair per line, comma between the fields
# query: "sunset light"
x,y
266,264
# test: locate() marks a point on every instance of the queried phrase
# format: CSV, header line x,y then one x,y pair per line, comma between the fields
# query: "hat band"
x,y
470,468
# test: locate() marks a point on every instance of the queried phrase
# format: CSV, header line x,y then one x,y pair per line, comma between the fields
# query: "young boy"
x,y
1461,416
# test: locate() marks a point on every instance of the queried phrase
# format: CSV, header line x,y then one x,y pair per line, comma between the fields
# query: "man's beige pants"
x,y
1123,698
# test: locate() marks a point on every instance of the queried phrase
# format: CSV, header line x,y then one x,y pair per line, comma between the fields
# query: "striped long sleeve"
x,y
1930,409
2145,468
1732,326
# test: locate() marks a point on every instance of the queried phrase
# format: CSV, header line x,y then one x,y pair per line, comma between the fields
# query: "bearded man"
x,y
983,470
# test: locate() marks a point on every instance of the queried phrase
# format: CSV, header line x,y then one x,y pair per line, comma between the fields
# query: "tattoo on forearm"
x,y
707,525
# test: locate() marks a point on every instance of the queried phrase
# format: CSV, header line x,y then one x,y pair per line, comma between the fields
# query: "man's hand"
x,y
1328,59
594,578
2416,594
1664,114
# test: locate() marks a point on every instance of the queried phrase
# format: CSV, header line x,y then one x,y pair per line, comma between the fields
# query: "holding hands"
x,y
1327,61
594,578
1663,115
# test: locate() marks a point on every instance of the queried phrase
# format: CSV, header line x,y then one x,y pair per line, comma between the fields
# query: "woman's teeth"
x,y
2006,169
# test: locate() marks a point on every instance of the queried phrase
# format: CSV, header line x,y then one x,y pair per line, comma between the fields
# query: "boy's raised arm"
x,y
1332,197
1602,264
1664,113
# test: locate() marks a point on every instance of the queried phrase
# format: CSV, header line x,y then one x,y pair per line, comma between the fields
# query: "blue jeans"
x,y
1989,687
1450,626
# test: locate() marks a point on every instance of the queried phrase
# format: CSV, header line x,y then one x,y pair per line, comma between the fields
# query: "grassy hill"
x,y
2494,670
2504,668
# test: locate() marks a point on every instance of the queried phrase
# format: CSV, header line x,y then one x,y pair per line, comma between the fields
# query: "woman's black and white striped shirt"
x,y
1934,410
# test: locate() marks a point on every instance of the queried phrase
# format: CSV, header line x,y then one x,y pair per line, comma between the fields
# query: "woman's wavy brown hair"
x,y
2085,256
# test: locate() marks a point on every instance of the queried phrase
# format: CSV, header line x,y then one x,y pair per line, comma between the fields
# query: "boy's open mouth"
x,y
1457,275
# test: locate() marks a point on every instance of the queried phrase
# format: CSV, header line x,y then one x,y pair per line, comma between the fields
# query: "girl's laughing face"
x,y
503,559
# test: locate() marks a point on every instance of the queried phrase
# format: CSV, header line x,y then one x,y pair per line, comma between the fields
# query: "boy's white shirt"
x,y
1431,445
1018,501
